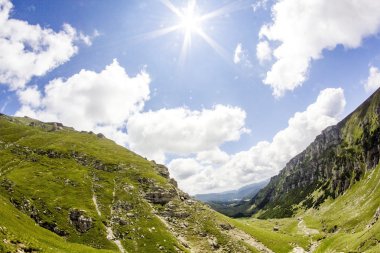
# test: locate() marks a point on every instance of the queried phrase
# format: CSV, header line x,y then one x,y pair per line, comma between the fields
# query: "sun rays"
x,y
190,22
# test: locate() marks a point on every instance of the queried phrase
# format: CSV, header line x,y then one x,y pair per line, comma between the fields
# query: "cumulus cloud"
x,y
305,28
89,100
30,96
30,50
182,131
373,81
263,52
266,158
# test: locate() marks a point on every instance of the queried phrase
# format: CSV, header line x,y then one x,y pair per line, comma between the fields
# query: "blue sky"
x,y
205,115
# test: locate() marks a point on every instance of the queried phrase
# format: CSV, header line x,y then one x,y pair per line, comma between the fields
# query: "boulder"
x,y
101,136
160,196
80,221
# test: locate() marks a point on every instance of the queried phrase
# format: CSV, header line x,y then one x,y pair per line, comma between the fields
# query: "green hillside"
x,y
340,156
68,191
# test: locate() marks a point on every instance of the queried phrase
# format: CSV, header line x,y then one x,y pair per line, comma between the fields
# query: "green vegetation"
x,y
68,191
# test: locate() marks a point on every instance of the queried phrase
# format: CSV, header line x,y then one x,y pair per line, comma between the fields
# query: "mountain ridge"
x,y
334,161
68,191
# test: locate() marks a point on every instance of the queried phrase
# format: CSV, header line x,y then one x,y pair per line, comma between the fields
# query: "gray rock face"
x,y
158,195
101,136
162,170
339,156
80,221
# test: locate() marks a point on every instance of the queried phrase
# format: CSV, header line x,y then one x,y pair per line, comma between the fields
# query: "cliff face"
x,y
337,158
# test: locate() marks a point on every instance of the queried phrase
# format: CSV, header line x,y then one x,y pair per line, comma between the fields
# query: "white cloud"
x,y
30,50
241,56
266,158
90,101
214,156
373,81
238,53
263,51
183,168
182,131
306,28
30,96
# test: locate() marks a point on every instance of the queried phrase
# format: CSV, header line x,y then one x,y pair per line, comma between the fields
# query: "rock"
x,y
162,170
226,226
213,243
158,195
101,136
276,228
130,215
173,182
80,221
56,126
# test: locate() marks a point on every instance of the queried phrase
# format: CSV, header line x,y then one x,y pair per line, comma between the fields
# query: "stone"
x,y
162,170
161,196
101,136
80,221
213,243
226,226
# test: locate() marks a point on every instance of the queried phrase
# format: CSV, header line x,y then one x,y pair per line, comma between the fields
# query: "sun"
x,y
190,23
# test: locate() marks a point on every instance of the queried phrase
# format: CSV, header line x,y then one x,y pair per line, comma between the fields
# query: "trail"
x,y
303,229
242,236
110,233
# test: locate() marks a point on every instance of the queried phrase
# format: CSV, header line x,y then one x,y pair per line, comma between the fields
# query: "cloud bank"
x,y
304,29
182,131
101,102
266,158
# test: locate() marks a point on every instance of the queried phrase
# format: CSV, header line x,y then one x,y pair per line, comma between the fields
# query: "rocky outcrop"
x,y
158,195
337,158
80,221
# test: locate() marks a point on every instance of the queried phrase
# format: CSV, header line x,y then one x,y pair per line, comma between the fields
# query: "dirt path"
x,y
242,236
303,229
110,233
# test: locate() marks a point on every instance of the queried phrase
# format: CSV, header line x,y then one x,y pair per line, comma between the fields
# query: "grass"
x,y
45,175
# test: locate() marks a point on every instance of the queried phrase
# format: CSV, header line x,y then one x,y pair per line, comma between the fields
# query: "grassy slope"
x,y
46,174
349,215
342,222
55,186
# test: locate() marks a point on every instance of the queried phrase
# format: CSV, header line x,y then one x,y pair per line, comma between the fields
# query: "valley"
x,y
68,191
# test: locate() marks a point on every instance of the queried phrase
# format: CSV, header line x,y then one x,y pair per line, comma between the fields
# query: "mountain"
x,y
245,192
68,191
338,158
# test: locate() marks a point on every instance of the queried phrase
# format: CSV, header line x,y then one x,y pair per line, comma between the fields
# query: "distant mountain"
x,y
245,192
